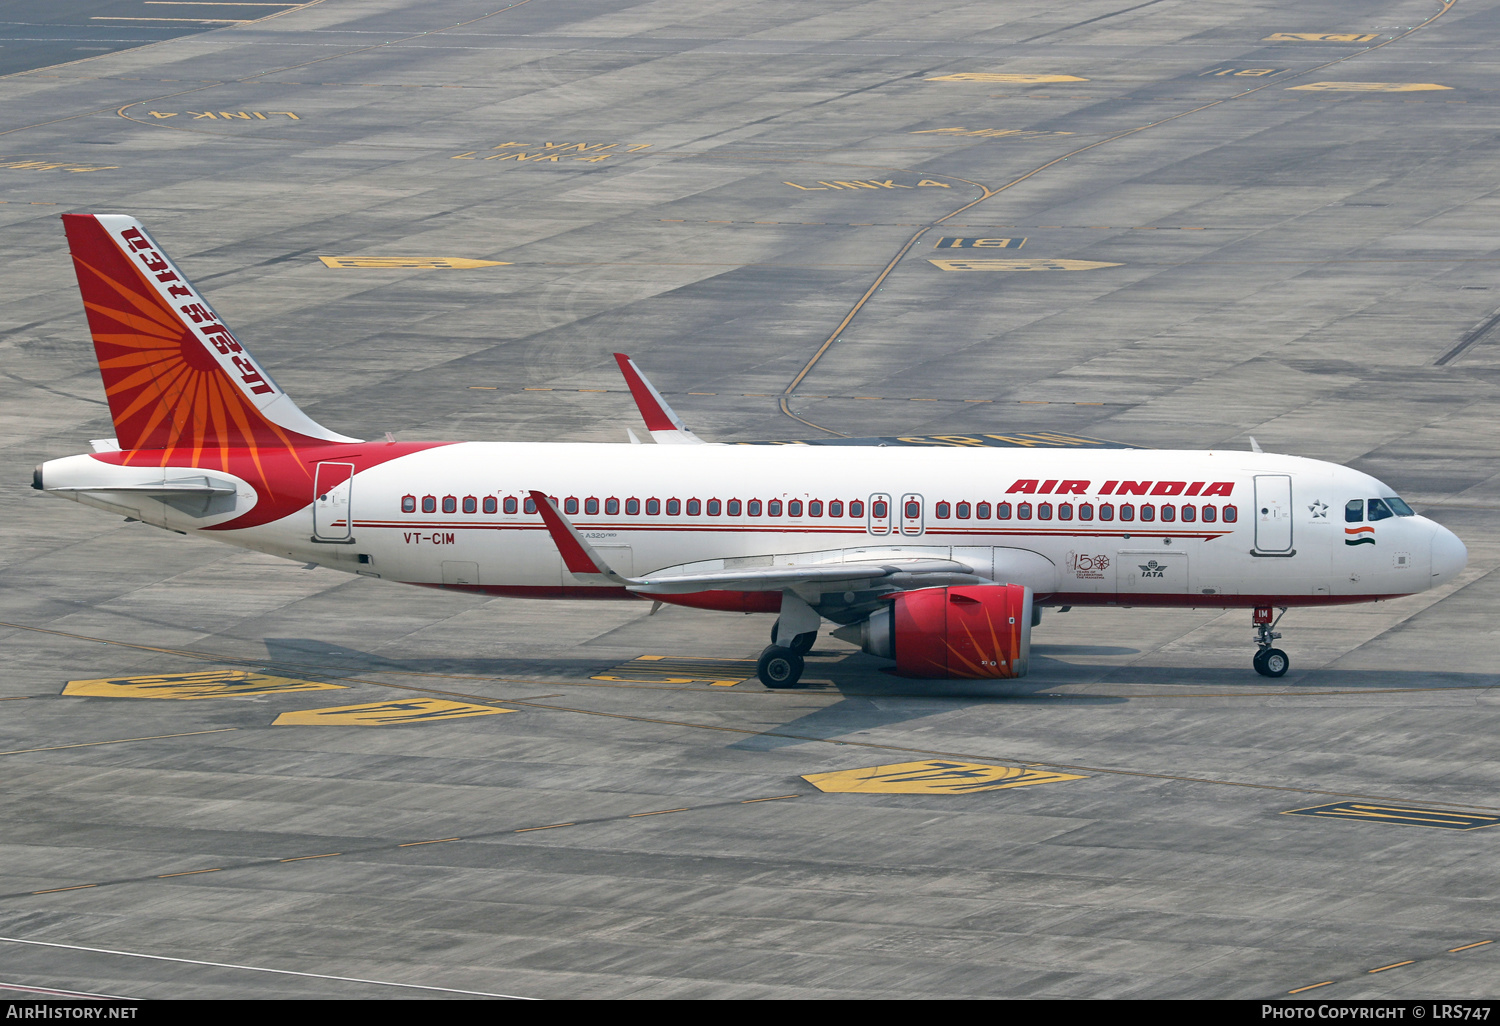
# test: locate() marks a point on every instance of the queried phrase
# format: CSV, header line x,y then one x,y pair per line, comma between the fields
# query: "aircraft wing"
x,y
896,570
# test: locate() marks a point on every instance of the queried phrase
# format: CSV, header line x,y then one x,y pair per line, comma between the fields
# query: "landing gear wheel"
x,y
1272,662
779,667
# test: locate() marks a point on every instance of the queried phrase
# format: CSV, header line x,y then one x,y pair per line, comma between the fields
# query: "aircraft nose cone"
x,y
1449,556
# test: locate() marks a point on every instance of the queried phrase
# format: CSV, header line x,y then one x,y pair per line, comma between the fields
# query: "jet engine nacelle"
x,y
973,631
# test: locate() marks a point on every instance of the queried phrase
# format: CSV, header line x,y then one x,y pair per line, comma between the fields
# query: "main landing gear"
x,y
1268,661
780,666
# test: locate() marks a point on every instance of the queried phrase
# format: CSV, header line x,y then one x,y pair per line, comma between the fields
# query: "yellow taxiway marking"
x,y
933,776
117,741
1398,814
53,165
984,76
549,826
411,263
186,686
54,890
663,812
1466,947
1368,87
719,673
1310,986
304,858
440,840
1321,37
1393,965
383,714
1020,265
956,242
190,872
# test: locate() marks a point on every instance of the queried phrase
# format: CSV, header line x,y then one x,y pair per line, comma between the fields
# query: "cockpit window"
x,y
1378,509
1354,511
1400,508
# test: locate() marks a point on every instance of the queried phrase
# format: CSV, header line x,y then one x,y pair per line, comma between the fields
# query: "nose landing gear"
x,y
1268,661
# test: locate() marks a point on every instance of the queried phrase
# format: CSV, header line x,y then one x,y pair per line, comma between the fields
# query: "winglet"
x,y
578,555
661,420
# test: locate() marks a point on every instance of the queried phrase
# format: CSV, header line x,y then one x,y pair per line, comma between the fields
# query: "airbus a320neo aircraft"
x,y
937,558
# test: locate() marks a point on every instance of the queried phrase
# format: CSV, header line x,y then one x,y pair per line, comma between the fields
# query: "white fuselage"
x,y
1210,528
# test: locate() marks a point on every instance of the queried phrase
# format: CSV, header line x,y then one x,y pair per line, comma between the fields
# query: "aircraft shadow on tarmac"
x,y
856,674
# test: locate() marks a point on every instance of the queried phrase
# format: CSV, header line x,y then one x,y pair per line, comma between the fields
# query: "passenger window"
x,y
880,510
1065,511
694,508
1106,511
591,507
570,506
1044,511
653,507
944,510
964,511
835,507
794,508
1189,514
471,504
612,507
489,504
510,504
773,507
1002,511
530,505
1231,514
1085,511
1354,511
913,510
1148,511
734,507
1210,514
632,507
982,511
752,508
429,504
408,503
1168,514
1127,511
450,504
857,508
1023,511
674,507
1379,510
814,507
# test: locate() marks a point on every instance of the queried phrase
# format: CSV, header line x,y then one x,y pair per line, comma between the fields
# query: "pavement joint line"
x,y
390,847
1111,771
116,741
261,969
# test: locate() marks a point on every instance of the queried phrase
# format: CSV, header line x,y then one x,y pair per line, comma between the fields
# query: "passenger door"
x,y
1273,513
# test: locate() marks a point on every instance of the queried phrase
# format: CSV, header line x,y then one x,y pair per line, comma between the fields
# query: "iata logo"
x,y
1153,569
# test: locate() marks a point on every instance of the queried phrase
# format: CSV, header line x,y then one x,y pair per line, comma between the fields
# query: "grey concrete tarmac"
x,y
1314,267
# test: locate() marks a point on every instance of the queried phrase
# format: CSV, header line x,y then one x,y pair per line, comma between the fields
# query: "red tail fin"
x,y
175,377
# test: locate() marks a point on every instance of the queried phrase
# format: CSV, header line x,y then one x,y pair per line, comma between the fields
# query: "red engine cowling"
x,y
973,631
